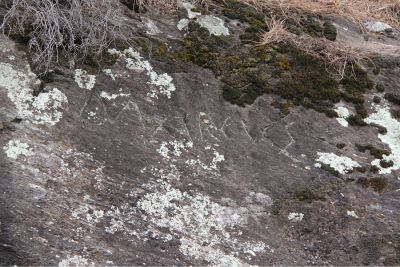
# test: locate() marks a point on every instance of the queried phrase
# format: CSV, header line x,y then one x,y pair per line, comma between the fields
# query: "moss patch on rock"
x,y
249,71
377,184
376,152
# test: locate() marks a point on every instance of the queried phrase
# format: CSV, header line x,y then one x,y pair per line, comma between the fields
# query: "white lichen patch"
x,y
84,80
343,114
216,26
352,213
182,24
16,148
383,117
109,73
74,261
160,84
213,165
340,164
17,83
205,226
378,26
189,6
295,216
42,109
47,105
173,148
109,96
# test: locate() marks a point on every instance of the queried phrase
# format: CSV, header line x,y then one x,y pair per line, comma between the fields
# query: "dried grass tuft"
x,y
336,55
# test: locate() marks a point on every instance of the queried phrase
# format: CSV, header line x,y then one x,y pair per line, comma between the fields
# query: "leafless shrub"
x,y
74,28
157,5
336,55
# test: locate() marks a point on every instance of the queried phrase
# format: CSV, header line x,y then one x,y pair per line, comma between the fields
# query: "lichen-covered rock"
x,y
196,149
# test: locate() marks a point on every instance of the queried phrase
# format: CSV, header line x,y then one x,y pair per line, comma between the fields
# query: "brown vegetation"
x,y
336,55
356,10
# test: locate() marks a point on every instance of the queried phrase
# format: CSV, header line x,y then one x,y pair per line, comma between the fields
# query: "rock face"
x,y
145,164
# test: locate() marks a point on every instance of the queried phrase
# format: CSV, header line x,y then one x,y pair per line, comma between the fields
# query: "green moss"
x,y
376,152
329,31
245,13
161,50
110,59
356,120
283,106
330,170
304,80
380,87
355,83
144,44
377,99
311,26
374,169
361,110
377,184
386,164
376,70
396,113
308,195
340,145
364,182
394,98
248,72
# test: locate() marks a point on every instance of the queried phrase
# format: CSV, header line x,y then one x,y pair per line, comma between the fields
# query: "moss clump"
x,y
377,99
394,98
377,184
340,145
161,50
311,26
376,152
330,31
247,14
356,120
381,129
243,73
396,113
248,72
361,110
144,44
330,170
305,81
380,87
283,106
374,169
308,195
386,164
355,84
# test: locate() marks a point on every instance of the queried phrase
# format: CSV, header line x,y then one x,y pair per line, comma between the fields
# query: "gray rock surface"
x,y
141,165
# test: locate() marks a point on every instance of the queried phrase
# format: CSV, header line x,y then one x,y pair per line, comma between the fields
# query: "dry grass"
x,y
356,10
336,55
